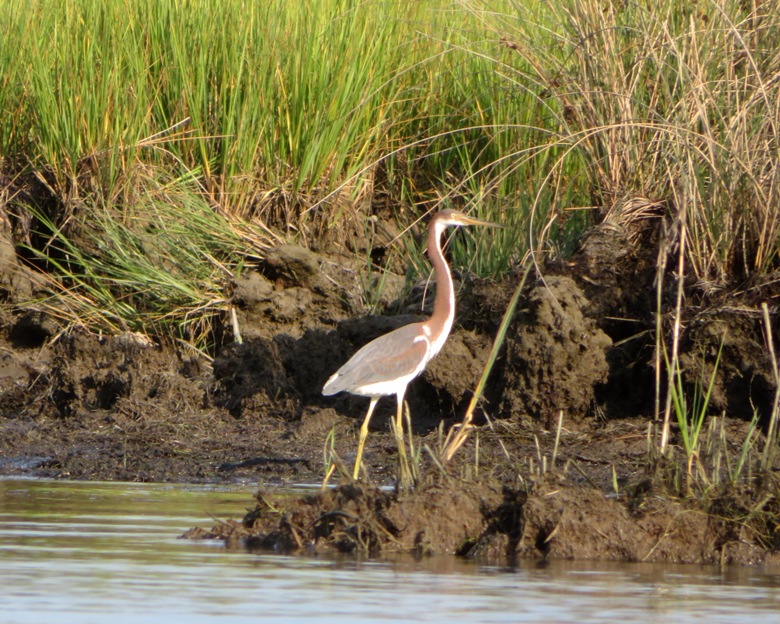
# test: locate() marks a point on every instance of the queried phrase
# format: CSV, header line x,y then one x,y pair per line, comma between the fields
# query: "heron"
x,y
387,365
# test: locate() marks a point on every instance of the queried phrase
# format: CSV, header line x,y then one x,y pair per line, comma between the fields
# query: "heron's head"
x,y
455,217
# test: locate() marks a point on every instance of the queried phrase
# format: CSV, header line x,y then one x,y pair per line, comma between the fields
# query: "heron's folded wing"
x,y
396,355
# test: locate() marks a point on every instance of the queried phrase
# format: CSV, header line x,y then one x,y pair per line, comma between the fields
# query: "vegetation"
x,y
670,112
152,149
110,110
674,103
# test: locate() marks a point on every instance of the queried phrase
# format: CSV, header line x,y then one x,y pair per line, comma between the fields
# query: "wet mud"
x,y
546,518
562,463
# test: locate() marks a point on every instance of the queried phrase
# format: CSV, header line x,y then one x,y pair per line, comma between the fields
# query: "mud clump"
x,y
463,358
723,350
556,355
251,379
547,518
355,518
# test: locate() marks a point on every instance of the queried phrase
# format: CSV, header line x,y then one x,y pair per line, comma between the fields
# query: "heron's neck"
x,y
443,315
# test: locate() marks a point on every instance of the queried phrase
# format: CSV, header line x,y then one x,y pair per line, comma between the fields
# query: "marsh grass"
x,y
673,103
772,433
522,110
263,117
691,409
665,101
728,466
332,463
285,104
717,462
157,265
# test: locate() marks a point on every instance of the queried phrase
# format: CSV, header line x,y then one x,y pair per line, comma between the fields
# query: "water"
x,y
109,552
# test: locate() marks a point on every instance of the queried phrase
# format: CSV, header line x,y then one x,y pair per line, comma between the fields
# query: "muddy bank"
x,y
580,352
543,518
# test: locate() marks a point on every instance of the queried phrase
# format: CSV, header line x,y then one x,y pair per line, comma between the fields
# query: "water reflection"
x,y
87,552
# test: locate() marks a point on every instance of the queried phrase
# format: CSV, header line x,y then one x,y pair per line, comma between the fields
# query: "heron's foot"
x,y
405,479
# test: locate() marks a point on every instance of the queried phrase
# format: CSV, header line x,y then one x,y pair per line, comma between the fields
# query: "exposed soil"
x,y
581,348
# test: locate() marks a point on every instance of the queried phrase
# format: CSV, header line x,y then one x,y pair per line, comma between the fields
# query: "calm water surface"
x,y
109,552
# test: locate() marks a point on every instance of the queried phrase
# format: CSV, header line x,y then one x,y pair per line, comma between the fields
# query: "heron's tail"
x,y
332,386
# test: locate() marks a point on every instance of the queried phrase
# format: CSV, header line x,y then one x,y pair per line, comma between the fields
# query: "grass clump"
x,y
157,262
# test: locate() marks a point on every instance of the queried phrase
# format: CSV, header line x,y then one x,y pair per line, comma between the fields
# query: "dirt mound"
x,y
722,331
726,347
555,355
547,518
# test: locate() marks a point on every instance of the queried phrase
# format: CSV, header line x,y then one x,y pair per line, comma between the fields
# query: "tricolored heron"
x,y
387,364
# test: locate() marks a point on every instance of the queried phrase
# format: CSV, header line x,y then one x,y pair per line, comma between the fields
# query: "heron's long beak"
x,y
466,220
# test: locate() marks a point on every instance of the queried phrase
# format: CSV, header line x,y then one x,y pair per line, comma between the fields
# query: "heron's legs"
x,y
404,474
363,436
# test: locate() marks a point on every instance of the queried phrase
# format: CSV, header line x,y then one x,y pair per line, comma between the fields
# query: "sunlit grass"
x,y
287,100
259,118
